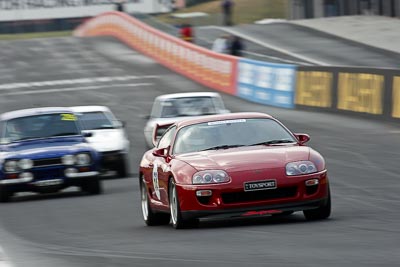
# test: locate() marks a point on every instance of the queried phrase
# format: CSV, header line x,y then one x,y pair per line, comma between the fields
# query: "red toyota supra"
x,y
231,165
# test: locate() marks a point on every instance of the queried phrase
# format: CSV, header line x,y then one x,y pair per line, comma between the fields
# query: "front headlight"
x,y
210,177
25,164
68,160
82,159
11,166
300,168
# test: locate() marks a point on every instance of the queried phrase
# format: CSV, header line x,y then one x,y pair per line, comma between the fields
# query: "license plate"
x,y
48,182
260,185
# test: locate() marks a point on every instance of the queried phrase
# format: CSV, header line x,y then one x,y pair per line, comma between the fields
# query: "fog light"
x,y
84,169
312,182
203,193
12,176
26,176
70,171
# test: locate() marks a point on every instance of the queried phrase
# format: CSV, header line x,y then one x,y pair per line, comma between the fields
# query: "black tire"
x,y
176,216
5,194
323,212
150,217
122,171
93,186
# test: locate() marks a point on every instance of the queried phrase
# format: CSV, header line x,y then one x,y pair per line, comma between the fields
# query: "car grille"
x,y
48,174
240,197
111,156
47,162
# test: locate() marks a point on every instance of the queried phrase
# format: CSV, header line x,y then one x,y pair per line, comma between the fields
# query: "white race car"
x,y
108,137
170,108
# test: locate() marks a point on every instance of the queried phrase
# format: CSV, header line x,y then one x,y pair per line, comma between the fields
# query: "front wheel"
x,y
122,171
5,194
151,218
176,216
320,213
92,186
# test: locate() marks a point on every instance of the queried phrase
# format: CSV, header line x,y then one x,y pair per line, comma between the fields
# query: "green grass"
x,y
21,36
244,12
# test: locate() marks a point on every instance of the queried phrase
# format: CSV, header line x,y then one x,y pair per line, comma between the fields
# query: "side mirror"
x,y
158,131
122,124
87,134
162,152
146,117
302,137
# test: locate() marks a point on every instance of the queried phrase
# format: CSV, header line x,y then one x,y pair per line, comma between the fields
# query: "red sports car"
x,y
231,165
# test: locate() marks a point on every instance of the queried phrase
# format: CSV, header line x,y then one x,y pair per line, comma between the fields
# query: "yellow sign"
x,y
68,117
361,92
314,88
396,97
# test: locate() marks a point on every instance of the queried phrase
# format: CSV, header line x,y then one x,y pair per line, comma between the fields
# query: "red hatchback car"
x,y
231,165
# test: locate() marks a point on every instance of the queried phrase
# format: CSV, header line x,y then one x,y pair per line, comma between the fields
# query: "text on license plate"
x,y
260,185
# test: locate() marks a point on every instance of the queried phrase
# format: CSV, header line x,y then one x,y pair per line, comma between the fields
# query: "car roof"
x,y
90,108
192,94
32,112
221,117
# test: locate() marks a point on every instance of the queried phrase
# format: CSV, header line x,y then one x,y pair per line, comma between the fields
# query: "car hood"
x,y
245,158
44,148
107,140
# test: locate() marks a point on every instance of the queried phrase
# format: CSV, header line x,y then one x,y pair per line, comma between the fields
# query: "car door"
x,y
161,168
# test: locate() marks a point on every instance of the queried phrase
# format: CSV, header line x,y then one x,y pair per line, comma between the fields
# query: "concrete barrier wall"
x,y
213,70
266,83
364,91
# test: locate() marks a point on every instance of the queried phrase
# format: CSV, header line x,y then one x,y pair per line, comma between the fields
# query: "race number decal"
x,y
68,117
155,181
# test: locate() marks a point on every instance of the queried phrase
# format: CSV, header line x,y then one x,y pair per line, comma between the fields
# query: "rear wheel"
x,y
151,218
93,186
5,194
323,212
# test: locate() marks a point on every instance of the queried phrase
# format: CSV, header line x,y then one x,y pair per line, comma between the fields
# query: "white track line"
x,y
3,260
69,89
256,41
11,86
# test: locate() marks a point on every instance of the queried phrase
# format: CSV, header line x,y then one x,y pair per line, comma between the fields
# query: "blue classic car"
x,y
43,150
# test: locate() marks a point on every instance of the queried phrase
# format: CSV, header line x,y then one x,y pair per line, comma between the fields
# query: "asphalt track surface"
x,y
71,229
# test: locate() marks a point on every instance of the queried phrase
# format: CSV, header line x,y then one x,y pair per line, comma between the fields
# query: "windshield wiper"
x,y
63,134
273,142
103,128
221,147
25,138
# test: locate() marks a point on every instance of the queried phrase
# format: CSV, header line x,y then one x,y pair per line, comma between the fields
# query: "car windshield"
x,y
189,106
231,133
40,126
95,121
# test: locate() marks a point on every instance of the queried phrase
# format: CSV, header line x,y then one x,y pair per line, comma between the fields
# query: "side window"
x,y
1,129
166,139
156,109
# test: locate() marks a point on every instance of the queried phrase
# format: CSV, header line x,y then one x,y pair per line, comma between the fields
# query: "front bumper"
x,y
230,199
48,180
254,211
